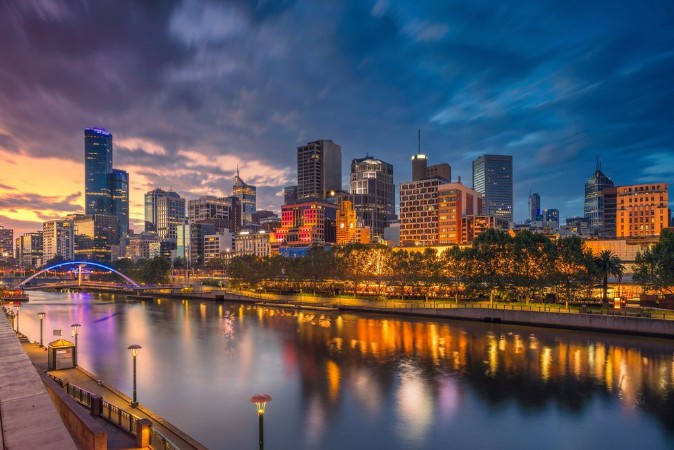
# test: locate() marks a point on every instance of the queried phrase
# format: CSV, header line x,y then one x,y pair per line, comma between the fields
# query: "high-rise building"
x,y
535,207
493,178
610,200
97,169
373,193
254,244
319,169
419,212
594,201
551,215
289,194
421,170
58,239
247,195
455,201
642,210
94,236
190,242
29,250
164,212
119,187
6,243
306,223
144,245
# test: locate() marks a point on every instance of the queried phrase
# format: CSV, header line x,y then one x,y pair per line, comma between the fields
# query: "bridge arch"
x,y
79,263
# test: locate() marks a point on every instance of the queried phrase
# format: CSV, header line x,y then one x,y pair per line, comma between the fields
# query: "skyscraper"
x,y
594,200
119,187
164,212
319,169
493,178
247,195
373,193
534,207
6,243
642,210
97,169
58,239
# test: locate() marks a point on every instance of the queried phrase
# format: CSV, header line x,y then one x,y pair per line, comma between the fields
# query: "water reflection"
x,y
346,380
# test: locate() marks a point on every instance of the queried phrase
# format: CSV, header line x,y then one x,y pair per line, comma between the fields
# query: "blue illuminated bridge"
x,y
79,282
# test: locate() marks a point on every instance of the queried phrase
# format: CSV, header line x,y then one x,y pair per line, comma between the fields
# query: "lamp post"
x,y
134,352
75,328
260,402
40,315
17,308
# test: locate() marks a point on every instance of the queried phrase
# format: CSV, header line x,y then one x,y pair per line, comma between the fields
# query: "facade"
x,y
349,227
594,201
218,246
143,246
190,242
551,215
319,169
642,210
419,212
255,244
224,212
456,201
97,170
94,236
535,207
119,187
473,226
58,239
610,200
247,195
306,223
493,178
421,170
164,213
289,194
29,250
6,243
373,193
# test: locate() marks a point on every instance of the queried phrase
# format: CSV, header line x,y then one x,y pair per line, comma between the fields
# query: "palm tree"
x,y
608,264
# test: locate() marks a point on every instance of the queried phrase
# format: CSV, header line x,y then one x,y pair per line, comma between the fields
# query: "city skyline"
x,y
192,89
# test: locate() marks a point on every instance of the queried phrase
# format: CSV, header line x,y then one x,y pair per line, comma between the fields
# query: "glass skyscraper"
x,y
247,195
319,169
373,193
493,178
97,171
119,187
594,199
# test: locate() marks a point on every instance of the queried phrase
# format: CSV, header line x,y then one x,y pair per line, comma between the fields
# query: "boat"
x,y
13,295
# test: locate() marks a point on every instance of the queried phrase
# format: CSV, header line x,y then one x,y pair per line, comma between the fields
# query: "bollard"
x,y
143,433
96,405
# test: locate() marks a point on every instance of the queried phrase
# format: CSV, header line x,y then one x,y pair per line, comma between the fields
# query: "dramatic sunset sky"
x,y
192,88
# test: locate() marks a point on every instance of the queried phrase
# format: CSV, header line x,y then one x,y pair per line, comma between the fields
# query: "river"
x,y
357,381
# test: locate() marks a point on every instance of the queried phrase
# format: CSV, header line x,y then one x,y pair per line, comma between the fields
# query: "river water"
x,y
352,381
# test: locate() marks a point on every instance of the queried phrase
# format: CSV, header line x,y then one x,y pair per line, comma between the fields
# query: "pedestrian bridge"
x,y
80,264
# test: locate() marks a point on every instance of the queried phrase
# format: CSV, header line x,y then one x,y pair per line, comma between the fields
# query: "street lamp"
x,y
40,315
134,352
17,308
261,401
75,328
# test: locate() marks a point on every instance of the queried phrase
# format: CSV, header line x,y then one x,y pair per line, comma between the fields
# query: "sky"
x,y
190,89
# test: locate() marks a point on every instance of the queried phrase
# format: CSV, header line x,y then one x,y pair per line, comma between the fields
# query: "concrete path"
x,y
28,417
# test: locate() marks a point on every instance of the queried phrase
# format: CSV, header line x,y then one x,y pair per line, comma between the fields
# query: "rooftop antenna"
x,y
419,141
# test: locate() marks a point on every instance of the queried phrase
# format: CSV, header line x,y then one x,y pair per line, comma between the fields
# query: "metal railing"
x,y
160,442
119,417
80,395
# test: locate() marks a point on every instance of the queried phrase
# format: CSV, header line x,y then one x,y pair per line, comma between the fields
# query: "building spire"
x,y
598,163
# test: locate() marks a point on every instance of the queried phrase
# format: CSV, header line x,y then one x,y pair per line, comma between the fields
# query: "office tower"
x,y
190,242
247,195
610,200
319,169
551,215
29,250
119,188
289,194
97,169
219,246
534,207
594,201
642,210
223,212
419,165
94,235
305,223
493,178
164,211
253,244
58,240
419,212
421,170
373,193
6,243
143,246
455,201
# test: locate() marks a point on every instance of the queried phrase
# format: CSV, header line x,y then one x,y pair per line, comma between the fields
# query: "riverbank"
x,y
549,316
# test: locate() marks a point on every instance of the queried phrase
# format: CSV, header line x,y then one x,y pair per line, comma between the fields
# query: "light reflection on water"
x,y
359,382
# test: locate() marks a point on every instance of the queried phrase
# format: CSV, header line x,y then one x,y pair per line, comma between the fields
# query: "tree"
x,y
608,265
533,254
574,267
490,261
655,267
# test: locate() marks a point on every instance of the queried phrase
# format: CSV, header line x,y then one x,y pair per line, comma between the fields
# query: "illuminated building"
x,y
29,250
551,215
223,212
247,195
473,226
164,213
594,200
6,243
419,212
119,188
493,178
421,170
454,202
143,246
535,207
190,241
319,169
349,229
94,236
58,239
218,246
306,223
642,210
97,168
373,192
254,244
